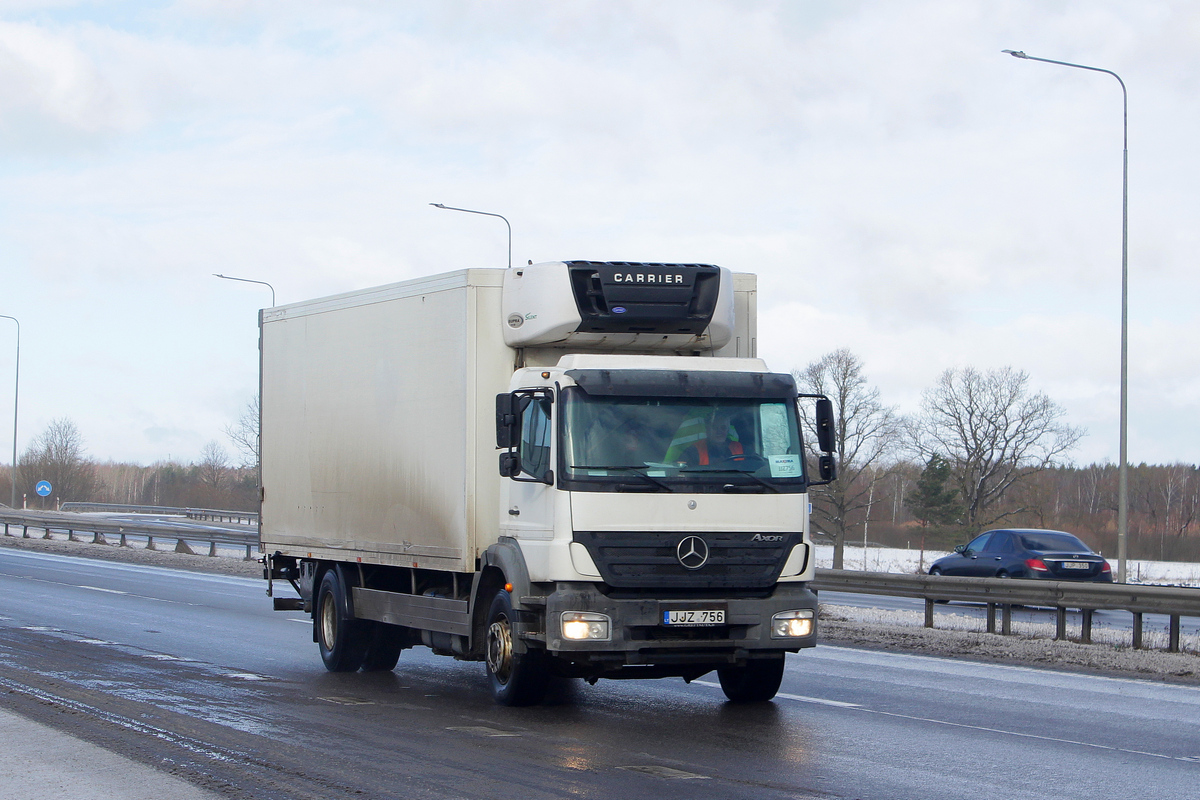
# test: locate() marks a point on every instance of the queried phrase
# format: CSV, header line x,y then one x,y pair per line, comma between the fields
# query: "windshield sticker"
x,y
785,466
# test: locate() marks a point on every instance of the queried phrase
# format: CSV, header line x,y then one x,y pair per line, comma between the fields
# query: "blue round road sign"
x,y
43,488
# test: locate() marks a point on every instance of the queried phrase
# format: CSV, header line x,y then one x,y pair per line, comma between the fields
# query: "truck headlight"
x,y
585,625
792,624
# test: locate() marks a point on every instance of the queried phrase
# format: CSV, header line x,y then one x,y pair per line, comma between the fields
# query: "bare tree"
x,y
994,432
244,434
57,455
866,432
213,466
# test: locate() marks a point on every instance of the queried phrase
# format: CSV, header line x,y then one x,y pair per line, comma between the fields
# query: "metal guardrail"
x,y
102,528
1004,593
216,515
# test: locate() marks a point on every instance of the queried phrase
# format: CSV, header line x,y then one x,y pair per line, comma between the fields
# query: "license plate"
x,y
695,617
1076,565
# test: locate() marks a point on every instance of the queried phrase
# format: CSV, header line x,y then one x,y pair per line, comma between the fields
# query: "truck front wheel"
x,y
756,682
518,679
343,641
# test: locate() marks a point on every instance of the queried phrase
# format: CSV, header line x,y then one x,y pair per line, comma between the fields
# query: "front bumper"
x,y
638,636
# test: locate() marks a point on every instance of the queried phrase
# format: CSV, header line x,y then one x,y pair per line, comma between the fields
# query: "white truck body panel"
x,y
379,410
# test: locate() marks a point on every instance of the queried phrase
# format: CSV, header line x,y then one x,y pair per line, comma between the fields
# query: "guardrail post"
x,y
1086,627
249,557
1006,620
1173,636
24,531
212,548
98,538
149,542
991,618
123,542
46,535
1060,623
70,535
928,607
1137,630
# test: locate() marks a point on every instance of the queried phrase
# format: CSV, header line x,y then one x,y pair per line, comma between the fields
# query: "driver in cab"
x,y
708,441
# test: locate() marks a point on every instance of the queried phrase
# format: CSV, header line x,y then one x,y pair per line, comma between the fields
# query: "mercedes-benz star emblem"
x,y
692,552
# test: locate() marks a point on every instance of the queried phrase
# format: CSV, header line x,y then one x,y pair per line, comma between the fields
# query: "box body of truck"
x,y
378,423
442,466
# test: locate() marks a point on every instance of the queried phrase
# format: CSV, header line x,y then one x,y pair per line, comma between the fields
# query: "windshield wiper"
x,y
652,480
733,487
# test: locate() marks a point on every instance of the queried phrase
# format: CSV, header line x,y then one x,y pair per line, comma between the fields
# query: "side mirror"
x,y
826,426
826,468
506,420
961,548
510,464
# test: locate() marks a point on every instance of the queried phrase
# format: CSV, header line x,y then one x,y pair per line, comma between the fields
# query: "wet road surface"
x,y
193,674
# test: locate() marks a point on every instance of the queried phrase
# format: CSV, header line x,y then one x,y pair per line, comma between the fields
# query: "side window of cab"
x,y
534,449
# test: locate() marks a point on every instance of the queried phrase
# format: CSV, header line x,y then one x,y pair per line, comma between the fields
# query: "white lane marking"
x,y
99,589
667,772
301,621
797,697
481,730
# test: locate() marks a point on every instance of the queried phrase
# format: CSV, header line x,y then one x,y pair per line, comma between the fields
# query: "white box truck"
x,y
647,515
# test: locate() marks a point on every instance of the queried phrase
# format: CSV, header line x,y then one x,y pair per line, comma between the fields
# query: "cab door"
x,y
530,511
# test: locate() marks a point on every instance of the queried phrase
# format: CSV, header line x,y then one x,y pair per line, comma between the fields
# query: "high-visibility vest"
x,y
735,448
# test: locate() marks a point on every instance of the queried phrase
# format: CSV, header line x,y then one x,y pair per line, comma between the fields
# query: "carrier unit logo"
x,y
648,277
692,552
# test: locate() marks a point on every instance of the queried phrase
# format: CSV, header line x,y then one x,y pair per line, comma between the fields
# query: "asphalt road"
x,y
193,674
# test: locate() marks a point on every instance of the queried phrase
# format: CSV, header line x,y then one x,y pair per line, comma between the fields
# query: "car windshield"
x,y
673,443
1046,541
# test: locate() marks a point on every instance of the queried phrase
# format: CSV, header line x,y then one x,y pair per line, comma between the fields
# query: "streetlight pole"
x,y
486,214
248,280
1123,468
16,396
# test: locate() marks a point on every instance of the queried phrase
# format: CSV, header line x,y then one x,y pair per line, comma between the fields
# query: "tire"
x,y
517,679
756,682
341,639
936,571
383,649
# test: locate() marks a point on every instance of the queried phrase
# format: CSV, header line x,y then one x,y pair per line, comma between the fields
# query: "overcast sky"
x,y
901,187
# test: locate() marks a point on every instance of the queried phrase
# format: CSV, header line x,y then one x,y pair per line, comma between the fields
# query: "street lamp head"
x,y
1015,53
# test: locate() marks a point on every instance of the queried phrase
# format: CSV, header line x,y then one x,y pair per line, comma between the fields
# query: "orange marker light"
x,y
508,588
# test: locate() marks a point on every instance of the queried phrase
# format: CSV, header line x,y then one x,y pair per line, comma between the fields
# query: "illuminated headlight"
x,y
585,625
792,624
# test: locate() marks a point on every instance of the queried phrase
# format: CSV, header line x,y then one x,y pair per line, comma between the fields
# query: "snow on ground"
x,y
892,559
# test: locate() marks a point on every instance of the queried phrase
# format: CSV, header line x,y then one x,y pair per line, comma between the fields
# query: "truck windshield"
x,y
614,443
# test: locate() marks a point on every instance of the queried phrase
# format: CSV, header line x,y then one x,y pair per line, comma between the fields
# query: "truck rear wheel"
x,y
342,640
518,679
756,682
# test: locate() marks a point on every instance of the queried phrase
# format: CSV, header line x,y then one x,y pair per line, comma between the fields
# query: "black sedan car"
x,y
1025,553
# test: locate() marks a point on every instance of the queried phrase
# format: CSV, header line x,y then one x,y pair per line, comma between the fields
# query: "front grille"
x,y
649,559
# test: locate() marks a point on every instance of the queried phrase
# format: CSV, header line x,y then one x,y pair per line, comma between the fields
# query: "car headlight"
x,y
580,625
792,624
